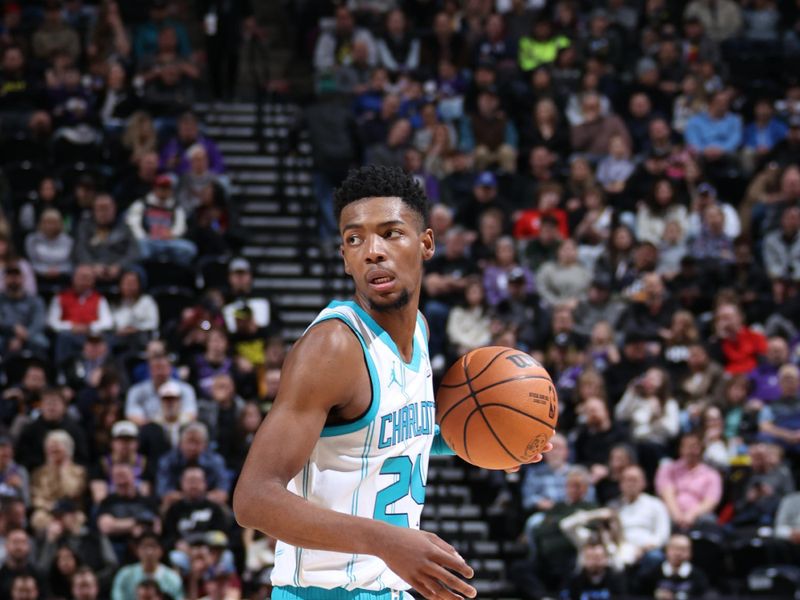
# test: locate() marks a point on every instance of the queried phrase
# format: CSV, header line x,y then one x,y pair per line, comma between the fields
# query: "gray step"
x,y
274,222
287,283
274,250
252,161
255,176
292,333
236,147
298,300
299,317
279,268
270,207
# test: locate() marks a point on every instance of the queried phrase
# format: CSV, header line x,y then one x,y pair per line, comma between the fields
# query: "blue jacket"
x,y
770,135
703,132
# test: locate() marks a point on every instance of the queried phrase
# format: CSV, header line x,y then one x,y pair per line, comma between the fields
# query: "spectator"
x,y
615,169
398,50
468,324
545,484
490,134
712,246
543,248
593,135
761,136
545,129
143,402
542,46
690,489
529,223
104,242
721,19
108,40
192,450
124,450
676,576
221,412
787,527
149,567
50,249
769,481
715,134
651,309
782,249
158,222
564,280
175,154
18,562
734,345
787,151
14,478
335,47
779,422
54,36
136,315
125,510
707,196
391,151
496,46
649,409
52,416
138,184
215,360
22,316
703,378
9,256
77,312
598,434
145,42
499,273
240,294
59,478
194,184
595,577
764,378
599,306
84,585
661,207
193,513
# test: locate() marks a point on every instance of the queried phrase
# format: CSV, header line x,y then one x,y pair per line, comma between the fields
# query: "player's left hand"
x,y
534,459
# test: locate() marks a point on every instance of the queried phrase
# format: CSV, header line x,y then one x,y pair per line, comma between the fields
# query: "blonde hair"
x,y
62,437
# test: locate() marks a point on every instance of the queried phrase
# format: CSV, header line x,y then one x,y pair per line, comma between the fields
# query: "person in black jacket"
x,y
194,513
595,580
676,578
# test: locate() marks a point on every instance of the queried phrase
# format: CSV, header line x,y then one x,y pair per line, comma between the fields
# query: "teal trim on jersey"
x,y
364,421
440,447
298,551
286,592
416,355
354,504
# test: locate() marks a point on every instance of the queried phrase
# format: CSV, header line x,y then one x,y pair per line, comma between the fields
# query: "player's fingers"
x,y
512,469
454,562
424,588
452,582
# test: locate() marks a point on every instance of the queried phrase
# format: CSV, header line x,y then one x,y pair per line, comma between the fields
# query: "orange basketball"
x,y
497,407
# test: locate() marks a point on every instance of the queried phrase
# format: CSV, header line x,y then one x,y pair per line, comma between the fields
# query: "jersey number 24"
x,y
409,482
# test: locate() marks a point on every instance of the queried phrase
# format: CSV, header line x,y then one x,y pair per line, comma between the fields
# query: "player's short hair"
x,y
375,181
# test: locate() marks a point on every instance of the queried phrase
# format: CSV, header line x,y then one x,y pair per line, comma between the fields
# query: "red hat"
x,y
163,180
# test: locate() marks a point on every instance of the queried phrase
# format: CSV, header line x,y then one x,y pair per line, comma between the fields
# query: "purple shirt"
x,y
495,282
764,379
174,148
691,486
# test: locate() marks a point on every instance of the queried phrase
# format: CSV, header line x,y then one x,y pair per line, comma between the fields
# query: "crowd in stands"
x,y
136,361
615,189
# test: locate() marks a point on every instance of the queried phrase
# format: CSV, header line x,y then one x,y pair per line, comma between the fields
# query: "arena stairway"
x,y
271,184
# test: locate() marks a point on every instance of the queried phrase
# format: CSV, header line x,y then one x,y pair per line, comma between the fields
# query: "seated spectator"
x,y
651,309
14,478
391,151
335,47
25,587
57,479
85,369
676,575
782,250
712,246
22,316
398,49
595,578
787,528
221,412
469,323
125,510
565,280
108,39
495,46
660,207
175,154
762,134
593,135
21,91
139,183
615,169
215,360
158,222
671,250
54,35
528,225
543,248
490,134
524,313
143,402
702,381
490,229
68,530
194,182
193,513
787,151
764,378
135,315
650,411
52,416
8,256
145,42
47,196
104,242
690,489
484,197
498,274
779,421
768,482
124,450
84,584
542,46
50,249
545,129
544,484
19,565
240,294
716,133
149,568
597,435
192,450
76,312
734,345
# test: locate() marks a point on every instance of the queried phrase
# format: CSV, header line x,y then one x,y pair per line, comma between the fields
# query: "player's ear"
x,y
428,245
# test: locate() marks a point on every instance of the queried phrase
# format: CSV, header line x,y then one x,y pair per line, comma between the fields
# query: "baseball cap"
x,y
239,264
794,121
706,189
486,179
124,429
169,389
163,180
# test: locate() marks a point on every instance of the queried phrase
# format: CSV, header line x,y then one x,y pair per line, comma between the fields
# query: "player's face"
x,y
383,246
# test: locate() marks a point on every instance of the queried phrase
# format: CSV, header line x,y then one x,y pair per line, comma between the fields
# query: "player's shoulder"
x,y
330,337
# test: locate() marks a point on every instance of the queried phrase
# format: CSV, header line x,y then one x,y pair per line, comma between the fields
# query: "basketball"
x,y
497,407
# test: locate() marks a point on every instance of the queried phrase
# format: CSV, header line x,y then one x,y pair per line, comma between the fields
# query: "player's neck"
x,y
400,325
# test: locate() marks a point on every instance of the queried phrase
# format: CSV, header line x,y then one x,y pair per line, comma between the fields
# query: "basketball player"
x,y
353,426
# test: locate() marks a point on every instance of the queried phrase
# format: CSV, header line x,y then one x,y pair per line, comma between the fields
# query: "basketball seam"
x,y
485,420
479,373
522,412
457,403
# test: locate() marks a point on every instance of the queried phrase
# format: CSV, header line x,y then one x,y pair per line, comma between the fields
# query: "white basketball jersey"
x,y
374,467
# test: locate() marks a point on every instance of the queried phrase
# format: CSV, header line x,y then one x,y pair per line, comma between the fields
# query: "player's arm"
x,y
323,373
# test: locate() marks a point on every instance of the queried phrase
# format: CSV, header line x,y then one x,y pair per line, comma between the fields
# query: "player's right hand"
x,y
427,563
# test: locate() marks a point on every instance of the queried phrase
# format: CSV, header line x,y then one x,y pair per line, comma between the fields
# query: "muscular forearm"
x,y
277,512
